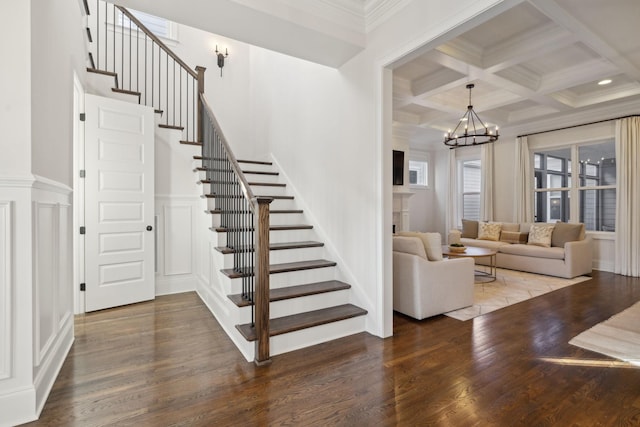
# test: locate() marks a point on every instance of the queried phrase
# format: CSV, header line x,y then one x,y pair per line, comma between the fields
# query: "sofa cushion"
x,y
489,244
540,234
510,226
409,245
532,251
513,237
469,229
432,243
489,231
525,227
564,232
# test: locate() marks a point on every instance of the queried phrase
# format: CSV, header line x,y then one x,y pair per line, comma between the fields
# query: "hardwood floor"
x,y
168,362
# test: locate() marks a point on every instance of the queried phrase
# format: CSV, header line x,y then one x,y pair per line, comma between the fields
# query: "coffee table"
x,y
475,252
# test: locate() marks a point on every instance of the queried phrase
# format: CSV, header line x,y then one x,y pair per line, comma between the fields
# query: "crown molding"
x,y
376,12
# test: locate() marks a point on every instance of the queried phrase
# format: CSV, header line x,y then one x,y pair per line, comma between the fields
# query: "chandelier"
x,y
471,130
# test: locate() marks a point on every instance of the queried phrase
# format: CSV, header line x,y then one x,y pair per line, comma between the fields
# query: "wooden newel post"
x,y
200,133
261,299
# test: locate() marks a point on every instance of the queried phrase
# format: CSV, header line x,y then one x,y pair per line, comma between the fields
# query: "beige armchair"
x,y
423,288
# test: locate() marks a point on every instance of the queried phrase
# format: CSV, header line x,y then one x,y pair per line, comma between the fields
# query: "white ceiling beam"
x,y
575,75
619,92
435,81
586,36
527,46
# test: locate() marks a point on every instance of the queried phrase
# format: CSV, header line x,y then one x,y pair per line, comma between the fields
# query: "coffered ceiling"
x,y
536,66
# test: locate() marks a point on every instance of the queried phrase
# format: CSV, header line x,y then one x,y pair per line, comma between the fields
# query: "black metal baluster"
x,y
138,59
130,73
98,34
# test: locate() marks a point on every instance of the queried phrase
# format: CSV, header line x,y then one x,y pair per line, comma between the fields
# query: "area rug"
x,y
510,287
618,337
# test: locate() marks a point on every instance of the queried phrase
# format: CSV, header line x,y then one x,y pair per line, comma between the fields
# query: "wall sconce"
x,y
221,57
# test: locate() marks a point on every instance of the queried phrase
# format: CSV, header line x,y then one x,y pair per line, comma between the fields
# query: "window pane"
x,y
158,26
418,172
598,209
537,161
552,206
554,181
600,161
471,206
554,164
471,176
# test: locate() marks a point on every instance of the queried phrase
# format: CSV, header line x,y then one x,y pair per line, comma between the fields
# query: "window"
x,y
159,26
593,188
418,173
470,186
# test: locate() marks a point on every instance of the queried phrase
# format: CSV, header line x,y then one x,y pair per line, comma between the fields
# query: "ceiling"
x,y
328,32
535,67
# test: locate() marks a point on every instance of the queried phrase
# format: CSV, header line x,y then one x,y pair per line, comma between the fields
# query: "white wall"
x,y
15,87
57,50
422,205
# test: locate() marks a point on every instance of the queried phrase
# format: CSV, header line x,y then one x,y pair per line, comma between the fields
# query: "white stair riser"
x,y
282,256
276,204
275,236
274,219
283,280
299,305
305,338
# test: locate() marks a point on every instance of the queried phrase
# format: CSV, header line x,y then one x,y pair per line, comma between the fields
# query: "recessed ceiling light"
x,y
604,82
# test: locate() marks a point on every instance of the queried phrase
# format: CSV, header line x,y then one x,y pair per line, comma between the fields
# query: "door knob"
x,y
149,228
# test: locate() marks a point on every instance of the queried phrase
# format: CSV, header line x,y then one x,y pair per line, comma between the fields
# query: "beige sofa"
x,y
424,288
569,255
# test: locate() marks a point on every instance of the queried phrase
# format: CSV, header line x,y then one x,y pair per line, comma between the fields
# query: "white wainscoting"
x,y
6,248
36,306
176,234
52,282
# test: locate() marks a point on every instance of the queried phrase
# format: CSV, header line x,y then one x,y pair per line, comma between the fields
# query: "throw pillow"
x,y
564,232
540,234
513,237
469,229
489,231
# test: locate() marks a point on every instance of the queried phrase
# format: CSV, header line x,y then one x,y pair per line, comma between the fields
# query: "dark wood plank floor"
x,y
168,362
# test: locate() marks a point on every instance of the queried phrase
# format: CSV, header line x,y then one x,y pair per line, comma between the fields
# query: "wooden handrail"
x,y
157,40
244,184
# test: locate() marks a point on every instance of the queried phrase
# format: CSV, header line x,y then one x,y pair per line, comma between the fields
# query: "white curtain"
x,y
523,183
452,194
486,182
627,254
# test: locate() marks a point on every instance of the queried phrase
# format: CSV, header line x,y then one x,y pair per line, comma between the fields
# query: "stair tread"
x,y
171,127
271,227
97,71
255,162
272,246
257,184
271,211
296,322
213,196
199,144
203,168
126,91
297,291
283,268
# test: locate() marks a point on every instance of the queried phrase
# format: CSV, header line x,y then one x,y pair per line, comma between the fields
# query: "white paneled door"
x,y
119,203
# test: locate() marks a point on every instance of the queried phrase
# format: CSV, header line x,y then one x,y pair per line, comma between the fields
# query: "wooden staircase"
x,y
290,291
